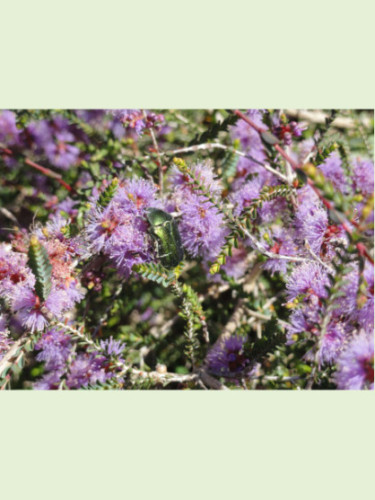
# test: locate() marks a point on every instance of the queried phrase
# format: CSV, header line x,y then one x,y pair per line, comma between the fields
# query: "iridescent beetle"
x,y
164,231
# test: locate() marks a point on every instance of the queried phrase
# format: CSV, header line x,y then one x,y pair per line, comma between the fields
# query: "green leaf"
x,y
41,267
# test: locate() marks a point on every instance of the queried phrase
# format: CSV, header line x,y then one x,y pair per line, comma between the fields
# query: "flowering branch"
x,y
345,224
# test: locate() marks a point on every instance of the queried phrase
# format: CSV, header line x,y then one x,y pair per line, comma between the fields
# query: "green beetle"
x,y
164,231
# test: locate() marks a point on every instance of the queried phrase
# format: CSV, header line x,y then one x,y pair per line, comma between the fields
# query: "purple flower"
x,y
312,226
60,152
309,279
85,369
120,230
55,348
245,195
363,176
54,139
94,117
14,273
333,171
355,366
38,135
281,242
305,319
17,286
134,121
9,133
201,225
201,171
331,343
356,302
28,308
49,381
227,358
111,347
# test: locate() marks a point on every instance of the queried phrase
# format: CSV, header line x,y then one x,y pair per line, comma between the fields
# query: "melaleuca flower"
x,y
245,195
95,117
363,176
201,171
68,207
333,171
355,365
120,230
227,358
135,120
356,302
201,224
77,370
49,381
304,319
308,204
17,283
304,323
55,347
35,314
280,242
312,226
201,227
136,196
307,198
14,272
61,153
87,368
26,304
111,347
54,139
331,343
270,210
308,279
9,133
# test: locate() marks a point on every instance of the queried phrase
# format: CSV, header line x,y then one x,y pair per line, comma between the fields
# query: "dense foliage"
x,y
181,249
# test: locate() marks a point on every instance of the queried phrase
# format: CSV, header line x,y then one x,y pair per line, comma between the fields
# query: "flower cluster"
x,y
64,366
120,230
201,224
227,357
17,281
136,120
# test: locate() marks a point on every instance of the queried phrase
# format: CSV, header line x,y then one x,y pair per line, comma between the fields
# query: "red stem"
x,y
43,170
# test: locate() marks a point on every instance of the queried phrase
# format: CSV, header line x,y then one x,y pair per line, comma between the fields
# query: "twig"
x,y
9,357
215,145
156,147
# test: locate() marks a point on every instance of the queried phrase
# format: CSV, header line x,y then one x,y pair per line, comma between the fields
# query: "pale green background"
x,y
177,445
